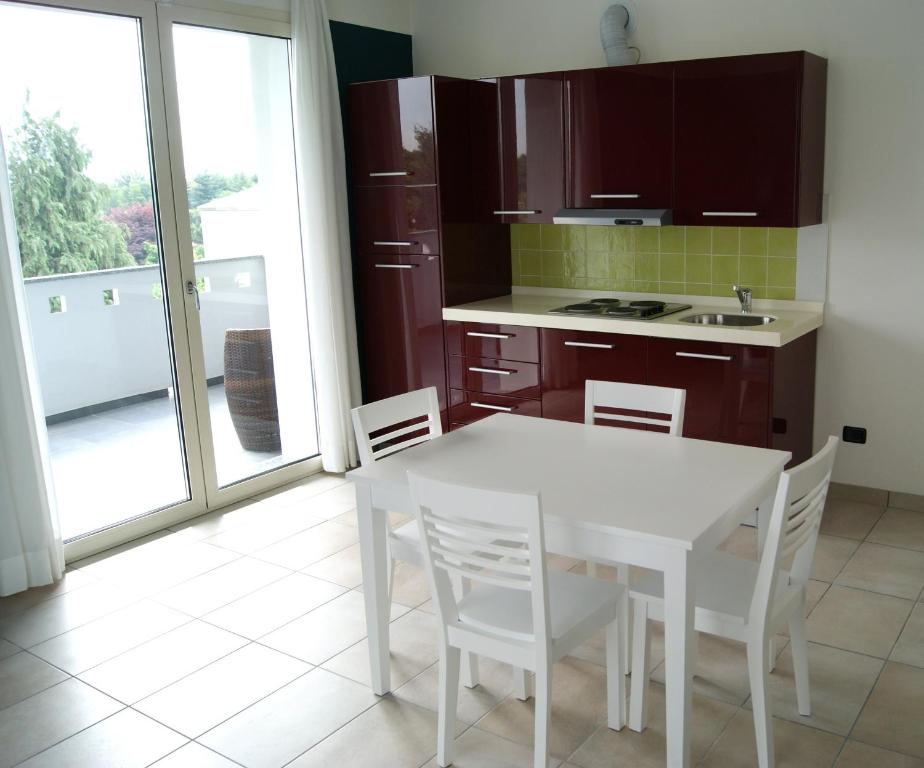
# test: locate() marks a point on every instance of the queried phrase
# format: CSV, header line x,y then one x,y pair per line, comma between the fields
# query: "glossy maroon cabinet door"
x,y
467,407
738,123
569,358
511,342
402,325
621,136
728,387
397,219
391,132
491,376
532,147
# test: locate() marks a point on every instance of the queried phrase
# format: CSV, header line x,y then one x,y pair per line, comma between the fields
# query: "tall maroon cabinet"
x,y
749,139
621,136
425,238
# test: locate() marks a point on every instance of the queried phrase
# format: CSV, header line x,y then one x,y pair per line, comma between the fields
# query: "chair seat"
x,y
724,586
573,599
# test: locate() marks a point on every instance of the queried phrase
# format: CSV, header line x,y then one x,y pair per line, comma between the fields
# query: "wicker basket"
x,y
250,388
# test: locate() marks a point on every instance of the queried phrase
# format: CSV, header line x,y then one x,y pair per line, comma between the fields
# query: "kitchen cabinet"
x,y
494,376
532,148
749,140
397,220
620,150
497,340
466,407
569,358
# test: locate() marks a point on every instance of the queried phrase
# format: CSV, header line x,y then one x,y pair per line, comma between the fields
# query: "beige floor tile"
x,y
742,542
411,586
648,748
343,568
874,496
194,755
333,503
219,520
162,661
327,630
888,570
849,519
858,755
900,528
260,612
912,501
578,707
414,639
23,675
893,715
304,489
8,649
910,646
796,746
53,617
73,579
840,683
221,586
495,684
107,637
280,727
127,739
307,547
394,733
275,525
216,692
814,591
479,749
48,717
831,554
121,556
857,620
721,668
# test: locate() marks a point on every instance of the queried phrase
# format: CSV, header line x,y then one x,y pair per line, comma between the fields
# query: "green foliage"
x,y
208,186
149,253
128,189
57,206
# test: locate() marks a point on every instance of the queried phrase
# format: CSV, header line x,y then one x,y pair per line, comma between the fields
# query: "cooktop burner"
x,y
621,310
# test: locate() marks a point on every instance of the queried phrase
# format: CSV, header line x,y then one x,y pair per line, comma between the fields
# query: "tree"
x,y
57,206
137,219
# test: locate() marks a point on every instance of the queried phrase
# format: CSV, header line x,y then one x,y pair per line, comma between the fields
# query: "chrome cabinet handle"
x,y
631,196
740,214
589,345
515,213
481,335
396,266
380,174
490,407
394,242
701,356
498,371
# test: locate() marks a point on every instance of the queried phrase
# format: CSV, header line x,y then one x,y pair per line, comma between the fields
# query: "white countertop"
x,y
530,307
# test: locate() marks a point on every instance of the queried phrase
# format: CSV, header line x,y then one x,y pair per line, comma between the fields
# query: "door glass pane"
x,y
239,158
73,114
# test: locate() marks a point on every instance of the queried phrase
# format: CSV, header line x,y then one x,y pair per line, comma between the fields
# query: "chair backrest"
x,y
634,404
387,426
486,536
793,526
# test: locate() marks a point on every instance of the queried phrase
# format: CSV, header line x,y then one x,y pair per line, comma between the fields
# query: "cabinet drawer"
x,y
508,342
491,376
470,406
397,220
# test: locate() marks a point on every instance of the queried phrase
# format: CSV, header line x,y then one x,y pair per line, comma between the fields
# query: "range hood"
x,y
636,217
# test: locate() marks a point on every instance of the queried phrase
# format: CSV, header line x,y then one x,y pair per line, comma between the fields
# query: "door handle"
x,y
397,243
490,407
481,335
396,266
380,174
515,213
701,356
193,290
631,196
498,371
739,214
589,345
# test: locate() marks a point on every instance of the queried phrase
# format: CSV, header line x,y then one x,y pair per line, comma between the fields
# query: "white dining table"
x,y
611,494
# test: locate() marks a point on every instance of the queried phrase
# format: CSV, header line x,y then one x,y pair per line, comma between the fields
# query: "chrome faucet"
x,y
744,296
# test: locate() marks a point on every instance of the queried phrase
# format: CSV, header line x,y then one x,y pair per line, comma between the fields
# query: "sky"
x,y
88,67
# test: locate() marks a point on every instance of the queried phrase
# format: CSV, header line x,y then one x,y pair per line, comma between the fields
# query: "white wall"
x,y
871,350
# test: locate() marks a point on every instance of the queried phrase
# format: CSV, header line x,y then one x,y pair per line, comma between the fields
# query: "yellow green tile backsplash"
x,y
699,261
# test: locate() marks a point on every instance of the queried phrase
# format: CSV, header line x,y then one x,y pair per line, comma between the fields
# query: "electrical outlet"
x,y
854,435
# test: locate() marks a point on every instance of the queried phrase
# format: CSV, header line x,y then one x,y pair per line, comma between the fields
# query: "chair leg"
x,y
771,654
469,660
758,665
521,683
798,643
449,697
625,619
543,702
641,663
615,678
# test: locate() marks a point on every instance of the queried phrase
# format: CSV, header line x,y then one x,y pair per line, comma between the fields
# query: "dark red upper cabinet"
x,y
532,147
391,132
750,140
398,219
621,142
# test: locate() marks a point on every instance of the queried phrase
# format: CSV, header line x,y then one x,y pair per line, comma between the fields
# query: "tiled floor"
x,y
238,640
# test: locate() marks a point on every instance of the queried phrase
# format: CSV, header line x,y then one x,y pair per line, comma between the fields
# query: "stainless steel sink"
x,y
736,320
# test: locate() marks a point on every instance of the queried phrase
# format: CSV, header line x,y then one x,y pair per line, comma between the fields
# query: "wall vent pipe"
x,y
616,25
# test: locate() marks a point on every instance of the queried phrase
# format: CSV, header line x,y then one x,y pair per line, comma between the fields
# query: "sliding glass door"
x,y
153,177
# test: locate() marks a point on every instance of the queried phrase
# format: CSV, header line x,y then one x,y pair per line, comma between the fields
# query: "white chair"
x,y
386,427
620,403
516,612
749,601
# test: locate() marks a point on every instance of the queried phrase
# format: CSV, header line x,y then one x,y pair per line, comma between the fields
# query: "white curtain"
x,y
325,231
31,554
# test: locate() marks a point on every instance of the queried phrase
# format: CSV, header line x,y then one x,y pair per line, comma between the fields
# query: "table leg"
x,y
679,649
374,556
